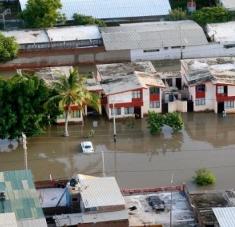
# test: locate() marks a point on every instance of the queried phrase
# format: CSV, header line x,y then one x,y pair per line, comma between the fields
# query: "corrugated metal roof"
x,y
40,222
153,35
107,9
74,33
21,196
8,220
225,216
100,192
28,36
228,4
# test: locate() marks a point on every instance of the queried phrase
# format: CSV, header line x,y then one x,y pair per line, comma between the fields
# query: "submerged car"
x,y
87,147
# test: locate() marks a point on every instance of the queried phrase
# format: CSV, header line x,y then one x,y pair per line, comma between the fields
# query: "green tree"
x,y
86,20
177,14
204,177
21,103
71,90
41,13
8,48
211,15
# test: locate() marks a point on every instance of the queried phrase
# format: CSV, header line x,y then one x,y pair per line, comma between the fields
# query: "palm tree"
x,y
71,90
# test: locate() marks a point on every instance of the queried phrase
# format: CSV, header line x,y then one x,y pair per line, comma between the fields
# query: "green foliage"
x,y
211,15
204,177
72,90
200,3
8,48
177,14
174,120
21,105
84,20
156,121
41,13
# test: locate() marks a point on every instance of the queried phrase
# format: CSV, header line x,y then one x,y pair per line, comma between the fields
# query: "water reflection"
x,y
137,159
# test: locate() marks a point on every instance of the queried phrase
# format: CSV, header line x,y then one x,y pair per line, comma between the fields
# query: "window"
x,y
75,114
200,102
229,104
220,89
176,47
129,110
201,88
153,50
136,94
154,90
61,116
154,104
116,111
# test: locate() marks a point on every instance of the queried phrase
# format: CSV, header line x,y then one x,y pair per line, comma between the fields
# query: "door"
x,y
137,112
220,108
190,106
178,83
164,107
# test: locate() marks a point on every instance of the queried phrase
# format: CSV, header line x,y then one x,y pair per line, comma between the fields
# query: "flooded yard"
x,y
137,159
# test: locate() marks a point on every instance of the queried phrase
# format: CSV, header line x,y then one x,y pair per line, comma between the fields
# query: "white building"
x,y
130,89
211,83
155,40
101,202
114,10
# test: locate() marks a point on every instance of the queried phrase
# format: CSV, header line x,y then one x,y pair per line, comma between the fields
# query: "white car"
x,y
87,147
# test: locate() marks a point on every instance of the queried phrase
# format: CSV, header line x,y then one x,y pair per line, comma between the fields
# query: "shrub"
x,y
86,20
155,122
211,15
8,48
174,120
204,177
177,14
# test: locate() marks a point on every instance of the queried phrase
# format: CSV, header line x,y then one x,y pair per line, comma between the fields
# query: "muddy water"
x,y
137,159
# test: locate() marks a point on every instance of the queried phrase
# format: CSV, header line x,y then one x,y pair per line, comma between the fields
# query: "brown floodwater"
x,y
137,159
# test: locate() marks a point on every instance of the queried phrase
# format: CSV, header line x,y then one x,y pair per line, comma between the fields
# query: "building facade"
x,y
130,89
210,83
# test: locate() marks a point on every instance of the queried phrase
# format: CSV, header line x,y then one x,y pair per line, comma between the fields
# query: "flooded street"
x,y
137,159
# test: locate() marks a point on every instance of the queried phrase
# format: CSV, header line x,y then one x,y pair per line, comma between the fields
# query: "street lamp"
x,y
24,140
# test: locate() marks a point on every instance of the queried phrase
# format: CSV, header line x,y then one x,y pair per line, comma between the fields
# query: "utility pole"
x,y
172,181
114,126
103,165
24,140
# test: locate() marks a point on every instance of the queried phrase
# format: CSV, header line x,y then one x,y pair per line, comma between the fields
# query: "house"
x,y
208,207
19,201
154,40
130,89
99,200
210,83
114,11
51,74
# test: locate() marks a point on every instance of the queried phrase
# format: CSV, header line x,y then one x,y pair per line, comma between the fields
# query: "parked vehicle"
x,y
156,203
87,147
